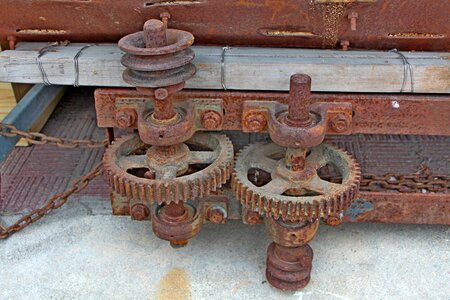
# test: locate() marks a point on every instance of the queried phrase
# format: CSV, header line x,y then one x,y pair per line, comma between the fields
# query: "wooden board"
x,y
244,68
7,103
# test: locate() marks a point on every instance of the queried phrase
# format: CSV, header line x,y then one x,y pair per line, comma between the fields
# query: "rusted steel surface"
x,y
378,114
406,208
368,24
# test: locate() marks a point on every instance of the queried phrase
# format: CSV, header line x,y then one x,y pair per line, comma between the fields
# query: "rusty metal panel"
x,y
411,208
377,114
366,24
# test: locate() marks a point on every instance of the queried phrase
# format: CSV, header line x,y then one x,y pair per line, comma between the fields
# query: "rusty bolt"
x,y
126,117
333,221
161,93
340,123
12,42
255,121
353,16
140,212
211,119
252,217
165,16
216,215
345,45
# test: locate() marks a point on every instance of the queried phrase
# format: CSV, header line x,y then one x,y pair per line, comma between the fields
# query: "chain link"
x,y
54,202
37,138
412,183
396,182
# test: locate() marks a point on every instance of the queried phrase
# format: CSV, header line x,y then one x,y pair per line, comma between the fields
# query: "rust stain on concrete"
x,y
174,285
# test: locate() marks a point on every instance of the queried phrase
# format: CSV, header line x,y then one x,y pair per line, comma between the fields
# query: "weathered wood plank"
x,y
243,68
39,100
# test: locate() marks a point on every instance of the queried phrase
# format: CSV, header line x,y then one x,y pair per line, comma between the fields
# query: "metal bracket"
x,y
256,115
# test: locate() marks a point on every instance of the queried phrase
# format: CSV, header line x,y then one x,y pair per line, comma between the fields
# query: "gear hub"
x,y
149,174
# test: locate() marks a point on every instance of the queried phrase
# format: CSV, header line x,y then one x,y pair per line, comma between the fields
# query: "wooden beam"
x,y
244,68
28,111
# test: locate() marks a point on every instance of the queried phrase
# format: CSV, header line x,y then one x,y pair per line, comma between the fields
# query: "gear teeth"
x,y
161,191
329,205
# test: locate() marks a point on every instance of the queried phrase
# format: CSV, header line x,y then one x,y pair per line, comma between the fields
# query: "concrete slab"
x,y
82,252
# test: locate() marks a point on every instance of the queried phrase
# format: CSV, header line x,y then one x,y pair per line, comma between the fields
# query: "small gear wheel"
x,y
263,183
164,174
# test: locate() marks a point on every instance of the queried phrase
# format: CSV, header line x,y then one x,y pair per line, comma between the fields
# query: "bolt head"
x,y
252,218
333,221
216,215
353,15
211,119
255,121
125,117
161,93
140,212
340,123
164,14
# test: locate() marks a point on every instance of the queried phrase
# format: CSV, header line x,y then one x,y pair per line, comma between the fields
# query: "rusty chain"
x,y
411,183
396,182
54,202
37,138
58,200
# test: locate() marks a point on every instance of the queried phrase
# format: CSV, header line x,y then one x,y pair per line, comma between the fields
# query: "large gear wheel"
x,y
164,174
263,183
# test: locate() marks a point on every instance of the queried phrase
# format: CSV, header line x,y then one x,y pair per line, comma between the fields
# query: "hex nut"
x,y
161,93
125,117
340,123
140,212
211,120
216,215
252,217
255,121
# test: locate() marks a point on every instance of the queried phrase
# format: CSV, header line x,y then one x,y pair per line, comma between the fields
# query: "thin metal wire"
x,y
222,67
407,67
41,53
77,67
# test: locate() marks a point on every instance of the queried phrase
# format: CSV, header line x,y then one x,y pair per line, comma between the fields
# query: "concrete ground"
x,y
82,252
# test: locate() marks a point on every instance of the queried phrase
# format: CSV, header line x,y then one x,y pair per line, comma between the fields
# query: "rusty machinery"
x,y
164,171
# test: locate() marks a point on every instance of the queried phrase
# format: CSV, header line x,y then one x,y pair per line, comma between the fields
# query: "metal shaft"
x,y
155,34
299,101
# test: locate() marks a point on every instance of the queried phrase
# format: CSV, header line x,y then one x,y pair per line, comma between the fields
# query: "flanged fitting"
x,y
126,117
289,257
298,126
177,222
288,269
157,57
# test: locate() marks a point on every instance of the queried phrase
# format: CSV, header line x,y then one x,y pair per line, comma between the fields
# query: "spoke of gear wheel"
x,y
134,171
263,183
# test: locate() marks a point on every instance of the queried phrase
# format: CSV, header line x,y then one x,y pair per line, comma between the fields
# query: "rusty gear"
x,y
136,170
294,196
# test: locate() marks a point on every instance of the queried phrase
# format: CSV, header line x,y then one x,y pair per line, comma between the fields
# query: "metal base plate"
x,y
31,175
